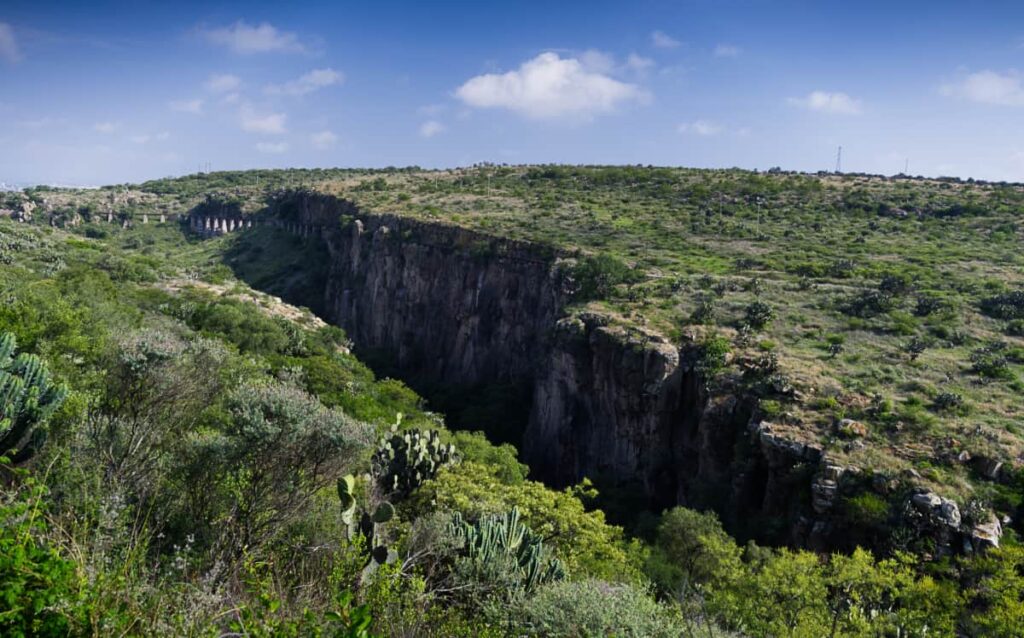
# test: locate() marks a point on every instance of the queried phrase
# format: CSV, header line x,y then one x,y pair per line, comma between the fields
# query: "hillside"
x,y
819,361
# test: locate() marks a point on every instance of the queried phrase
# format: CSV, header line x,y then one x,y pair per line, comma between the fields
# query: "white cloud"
x,y
223,83
323,140
315,79
663,40
989,87
272,147
8,44
636,62
727,51
828,103
605,63
431,128
700,127
270,123
548,87
104,127
244,38
710,128
187,106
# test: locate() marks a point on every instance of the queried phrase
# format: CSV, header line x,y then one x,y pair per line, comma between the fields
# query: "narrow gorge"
x,y
624,408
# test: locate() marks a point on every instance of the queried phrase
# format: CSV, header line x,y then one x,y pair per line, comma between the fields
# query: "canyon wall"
x,y
621,407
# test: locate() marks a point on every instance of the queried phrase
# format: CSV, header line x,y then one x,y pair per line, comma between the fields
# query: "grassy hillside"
x,y
187,485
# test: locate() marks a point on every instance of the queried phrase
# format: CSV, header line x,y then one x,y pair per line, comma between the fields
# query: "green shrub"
x,y
36,583
712,356
596,277
758,314
1008,305
866,509
590,608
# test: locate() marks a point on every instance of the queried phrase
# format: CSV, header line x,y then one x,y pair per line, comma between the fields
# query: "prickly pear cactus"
x,y
365,525
405,459
27,399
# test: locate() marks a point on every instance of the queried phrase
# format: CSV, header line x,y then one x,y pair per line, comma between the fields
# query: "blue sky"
x,y
103,92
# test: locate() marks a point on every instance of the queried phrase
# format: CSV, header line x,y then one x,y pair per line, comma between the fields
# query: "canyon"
x,y
616,404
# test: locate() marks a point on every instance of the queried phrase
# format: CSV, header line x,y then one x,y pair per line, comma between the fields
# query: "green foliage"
x,y
585,608
503,459
866,509
35,581
365,527
758,314
1008,305
998,598
278,435
692,551
405,459
582,540
28,398
596,277
990,362
713,356
503,555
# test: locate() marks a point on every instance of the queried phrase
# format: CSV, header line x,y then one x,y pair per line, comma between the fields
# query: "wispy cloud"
x,y
244,38
704,128
663,40
42,122
727,51
827,102
272,147
323,140
268,123
105,127
988,87
549,86
9,51
223,83
430,128
638,63
194,106
312,81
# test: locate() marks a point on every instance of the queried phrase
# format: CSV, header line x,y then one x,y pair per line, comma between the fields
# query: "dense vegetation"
x,y
215,462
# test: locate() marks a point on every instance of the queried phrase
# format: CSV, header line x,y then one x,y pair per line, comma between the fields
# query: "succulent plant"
x,y
28,398
405,459
365,525
504,538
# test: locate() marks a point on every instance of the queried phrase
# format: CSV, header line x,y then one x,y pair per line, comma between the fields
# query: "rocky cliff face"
x,y
623,408
467,309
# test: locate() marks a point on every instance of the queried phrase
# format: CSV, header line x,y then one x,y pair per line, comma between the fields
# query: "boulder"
x,y
986,535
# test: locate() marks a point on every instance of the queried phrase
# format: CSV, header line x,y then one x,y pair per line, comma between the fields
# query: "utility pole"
x,y
906,167
839,160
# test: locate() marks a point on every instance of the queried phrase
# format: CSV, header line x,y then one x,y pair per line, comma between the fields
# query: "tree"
x,y
279,447
692,550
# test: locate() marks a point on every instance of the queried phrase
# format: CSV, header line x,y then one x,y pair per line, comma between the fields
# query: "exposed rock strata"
x,y
624,408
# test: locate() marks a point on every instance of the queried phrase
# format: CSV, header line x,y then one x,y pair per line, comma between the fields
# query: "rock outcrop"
x,y
622,407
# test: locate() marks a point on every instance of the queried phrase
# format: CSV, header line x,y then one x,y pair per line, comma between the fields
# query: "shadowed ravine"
x,y
479,325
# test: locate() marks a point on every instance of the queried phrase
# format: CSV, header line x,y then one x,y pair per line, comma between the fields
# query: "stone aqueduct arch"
x,y
209,225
